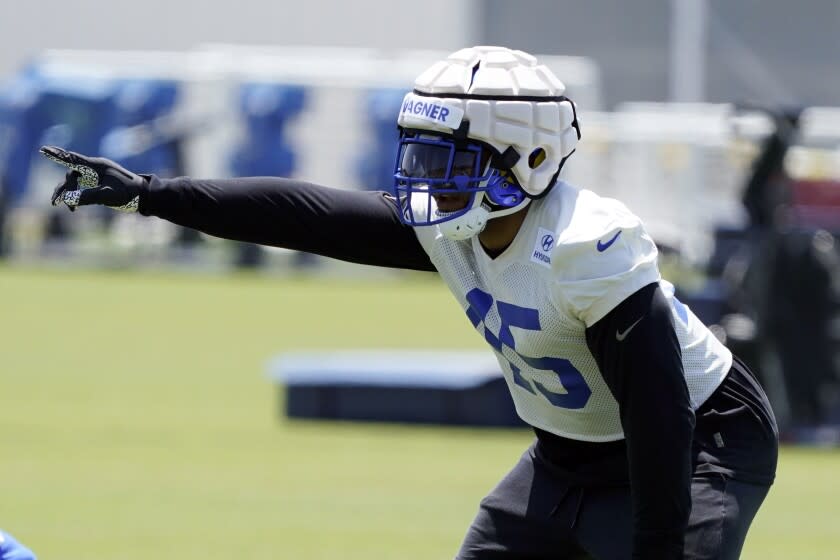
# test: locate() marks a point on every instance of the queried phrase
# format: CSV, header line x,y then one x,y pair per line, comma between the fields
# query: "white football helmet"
x,y
488,124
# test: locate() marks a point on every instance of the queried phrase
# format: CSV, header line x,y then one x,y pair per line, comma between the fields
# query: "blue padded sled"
x,y
447,387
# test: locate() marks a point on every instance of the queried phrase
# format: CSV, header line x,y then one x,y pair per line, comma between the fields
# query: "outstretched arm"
x,y
360,227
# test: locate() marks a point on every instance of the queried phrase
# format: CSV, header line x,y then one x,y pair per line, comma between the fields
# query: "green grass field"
x,y
137,422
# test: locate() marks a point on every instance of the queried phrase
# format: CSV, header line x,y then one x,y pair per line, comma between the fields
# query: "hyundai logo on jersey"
x,y
431,110
543,245
547,242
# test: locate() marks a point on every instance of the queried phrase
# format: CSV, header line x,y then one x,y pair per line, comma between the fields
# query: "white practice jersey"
x,y
575,258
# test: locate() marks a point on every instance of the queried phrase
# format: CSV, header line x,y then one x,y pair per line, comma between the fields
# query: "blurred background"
x,y
171,394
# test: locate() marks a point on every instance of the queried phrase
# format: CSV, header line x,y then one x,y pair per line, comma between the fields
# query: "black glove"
x,y
95,180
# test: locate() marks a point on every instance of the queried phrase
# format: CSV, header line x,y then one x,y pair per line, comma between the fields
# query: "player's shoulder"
x,y
591,236
583,216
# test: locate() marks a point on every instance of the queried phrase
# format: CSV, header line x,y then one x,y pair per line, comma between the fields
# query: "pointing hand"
x,y
94,180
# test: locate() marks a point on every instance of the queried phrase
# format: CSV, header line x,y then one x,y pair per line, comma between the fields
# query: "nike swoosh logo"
x,y
604,246
620,336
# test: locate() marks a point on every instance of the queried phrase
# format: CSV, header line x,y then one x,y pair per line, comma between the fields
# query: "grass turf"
x,y
137,422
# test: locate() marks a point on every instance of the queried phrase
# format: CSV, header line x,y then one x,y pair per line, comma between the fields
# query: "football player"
x,y
652,440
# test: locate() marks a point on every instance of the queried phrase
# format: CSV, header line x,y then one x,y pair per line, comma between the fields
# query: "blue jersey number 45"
x,y
577,391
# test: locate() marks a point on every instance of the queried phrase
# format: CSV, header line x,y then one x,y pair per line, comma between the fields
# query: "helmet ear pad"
x,y
502,190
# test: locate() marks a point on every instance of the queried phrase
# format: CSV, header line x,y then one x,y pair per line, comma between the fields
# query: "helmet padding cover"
x,y
505,99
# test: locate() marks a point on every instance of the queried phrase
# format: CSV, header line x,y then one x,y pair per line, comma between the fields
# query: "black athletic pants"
x,y
538,513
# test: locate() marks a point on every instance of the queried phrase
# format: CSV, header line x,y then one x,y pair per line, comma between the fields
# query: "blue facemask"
x,y
430,166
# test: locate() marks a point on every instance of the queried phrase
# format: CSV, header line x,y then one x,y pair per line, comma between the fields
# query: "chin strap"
x,y
473,221
467,225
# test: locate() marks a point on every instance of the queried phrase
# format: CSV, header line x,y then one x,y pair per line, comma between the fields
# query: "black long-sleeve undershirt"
x,y
644,371
354,226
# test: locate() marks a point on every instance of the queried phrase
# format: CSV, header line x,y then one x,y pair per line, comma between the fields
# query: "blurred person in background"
x,y
652,440
10,549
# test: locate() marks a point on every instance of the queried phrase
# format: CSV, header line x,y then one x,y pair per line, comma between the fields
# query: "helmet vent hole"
x,y
536,158
474,72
